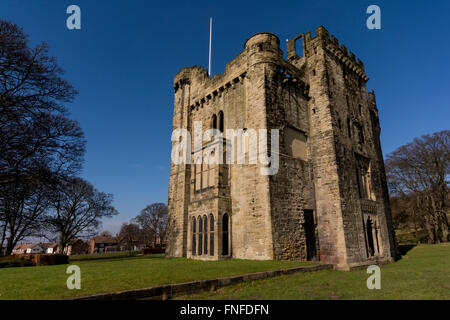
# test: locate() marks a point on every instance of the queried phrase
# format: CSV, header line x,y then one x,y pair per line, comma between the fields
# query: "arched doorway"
x,y
225,246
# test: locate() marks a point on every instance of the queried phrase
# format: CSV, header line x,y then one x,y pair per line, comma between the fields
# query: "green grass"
x,y
118,273
423,273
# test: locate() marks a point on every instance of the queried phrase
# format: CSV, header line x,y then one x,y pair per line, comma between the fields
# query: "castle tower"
x,y
326,199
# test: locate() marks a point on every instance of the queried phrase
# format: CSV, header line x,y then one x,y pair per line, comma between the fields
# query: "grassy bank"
x,y
423,273
110,274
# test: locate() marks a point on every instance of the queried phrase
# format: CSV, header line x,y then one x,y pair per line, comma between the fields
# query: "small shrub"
x,y
50,259
61,258
26,260
153,250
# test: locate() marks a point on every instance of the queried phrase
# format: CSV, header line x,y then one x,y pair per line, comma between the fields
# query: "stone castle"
x,y
328,201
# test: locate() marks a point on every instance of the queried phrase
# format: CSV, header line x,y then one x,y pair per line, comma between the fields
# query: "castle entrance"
x,y
310,233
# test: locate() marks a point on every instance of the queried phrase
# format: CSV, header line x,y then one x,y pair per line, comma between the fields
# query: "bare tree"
x,y
24,207
38,143
79,208
153,221
420,170
36,137
105,233
129,235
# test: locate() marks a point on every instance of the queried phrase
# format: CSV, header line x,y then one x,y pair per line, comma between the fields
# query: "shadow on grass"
x,y
404,248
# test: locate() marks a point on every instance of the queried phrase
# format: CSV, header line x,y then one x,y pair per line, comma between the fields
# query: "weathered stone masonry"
x,y
329,199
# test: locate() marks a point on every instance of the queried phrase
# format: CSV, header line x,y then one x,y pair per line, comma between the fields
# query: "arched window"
x,y
360,134
349,128
205,235
211,235
205,171
212,170
200,236
225,249
369,227
214,122
194,236
221,121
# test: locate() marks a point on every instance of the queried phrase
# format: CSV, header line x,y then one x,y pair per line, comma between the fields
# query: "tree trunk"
x,y
444,226
3,239
415,225
10,244
436,218
62,244
430,229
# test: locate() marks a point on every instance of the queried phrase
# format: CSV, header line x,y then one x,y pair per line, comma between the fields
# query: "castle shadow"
x,y
404,248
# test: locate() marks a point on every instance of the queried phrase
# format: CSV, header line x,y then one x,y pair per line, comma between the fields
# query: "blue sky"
x,y
124,58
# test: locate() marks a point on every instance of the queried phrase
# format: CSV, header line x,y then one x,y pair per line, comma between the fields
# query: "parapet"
x,y
263,37
188,74
340,51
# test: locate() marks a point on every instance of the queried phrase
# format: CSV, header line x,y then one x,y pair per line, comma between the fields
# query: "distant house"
x,y
23,248
20,248
136,245
49,248
102,244
77,246
35,249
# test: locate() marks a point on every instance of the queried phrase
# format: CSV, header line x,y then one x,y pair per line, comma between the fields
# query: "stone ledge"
x,y
361,265
170,290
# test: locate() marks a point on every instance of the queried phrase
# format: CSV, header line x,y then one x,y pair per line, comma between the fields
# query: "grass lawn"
x,y
110,273
423,273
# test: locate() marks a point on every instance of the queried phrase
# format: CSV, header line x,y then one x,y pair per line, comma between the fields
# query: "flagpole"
x,y
210,39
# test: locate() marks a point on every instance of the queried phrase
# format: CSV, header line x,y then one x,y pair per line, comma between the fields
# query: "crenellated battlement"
x,y
339,51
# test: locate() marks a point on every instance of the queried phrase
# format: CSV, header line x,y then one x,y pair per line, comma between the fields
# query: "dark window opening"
x,y
200,236
211,235
310,233
370,243
205,235
221,121
194,236
214,122
225,249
